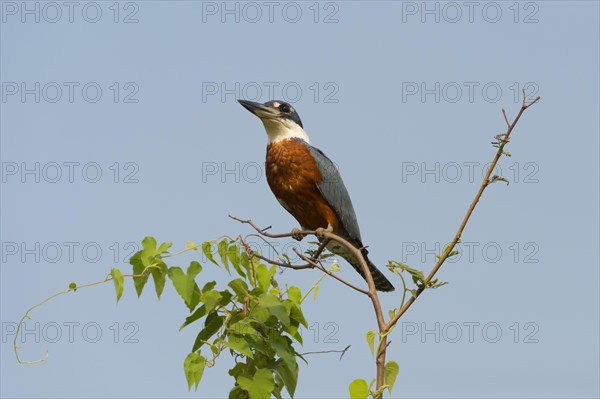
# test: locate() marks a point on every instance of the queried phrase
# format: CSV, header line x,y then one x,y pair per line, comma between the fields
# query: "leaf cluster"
x,y
359,389
253,318
418,278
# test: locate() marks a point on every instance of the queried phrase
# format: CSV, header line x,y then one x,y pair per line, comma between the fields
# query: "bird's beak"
x,y
258,109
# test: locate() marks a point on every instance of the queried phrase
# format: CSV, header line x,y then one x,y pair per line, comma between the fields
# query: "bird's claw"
x,y
297,234
320,232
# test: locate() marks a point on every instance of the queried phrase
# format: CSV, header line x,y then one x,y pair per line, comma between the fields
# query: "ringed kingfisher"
x,y
307,183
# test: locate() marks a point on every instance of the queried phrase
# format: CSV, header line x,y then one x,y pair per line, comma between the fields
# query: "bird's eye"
x,y
284,108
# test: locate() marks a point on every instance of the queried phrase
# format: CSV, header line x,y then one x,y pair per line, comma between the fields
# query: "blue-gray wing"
x,y
334,191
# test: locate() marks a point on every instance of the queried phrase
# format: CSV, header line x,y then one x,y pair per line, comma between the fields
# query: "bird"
x,y
308,184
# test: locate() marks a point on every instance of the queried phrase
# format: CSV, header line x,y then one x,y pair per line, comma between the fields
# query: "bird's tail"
x,y
381,282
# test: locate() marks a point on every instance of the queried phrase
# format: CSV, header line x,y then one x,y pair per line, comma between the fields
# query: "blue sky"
x,y
119,120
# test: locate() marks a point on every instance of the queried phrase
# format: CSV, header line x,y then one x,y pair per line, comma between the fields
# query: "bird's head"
x,y
280,119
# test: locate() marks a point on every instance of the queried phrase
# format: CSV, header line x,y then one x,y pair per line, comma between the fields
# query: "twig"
x,y
72,287
505,118
343,352
264,231
253,253
320,267
484,184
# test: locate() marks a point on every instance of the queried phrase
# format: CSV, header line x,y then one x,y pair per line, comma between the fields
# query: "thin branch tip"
x,y
505,117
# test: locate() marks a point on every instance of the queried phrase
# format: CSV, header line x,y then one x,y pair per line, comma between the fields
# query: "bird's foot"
x,y
297,234
320,232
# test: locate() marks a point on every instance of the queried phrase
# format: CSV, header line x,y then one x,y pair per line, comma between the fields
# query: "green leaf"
x,y
138,269
211,299
417,275
359,389
378,393
148,261
278,387
118,279
194,269
193,366
259,386
198,313
275,308
159,275
193,246
317,288
284,350
213,323
222,250
237,393
260,313
179,280
149,245
371,341
244,328
289,377
233,253
207,249
435,283
293,331
237,370
496,178
225,297
390,373
209,286
259,345
240,287
264,276
185,284
245,261
297,315
239,344
163,248
295,295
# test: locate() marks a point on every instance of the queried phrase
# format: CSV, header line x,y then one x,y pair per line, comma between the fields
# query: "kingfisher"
x,y
308,184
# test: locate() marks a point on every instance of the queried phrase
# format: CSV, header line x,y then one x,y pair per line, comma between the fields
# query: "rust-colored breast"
x,y
293,177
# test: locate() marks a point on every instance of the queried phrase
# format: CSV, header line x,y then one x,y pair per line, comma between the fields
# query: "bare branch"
x,y
343,352
484,184
252,253
264,231
505,118
311,263
318,266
